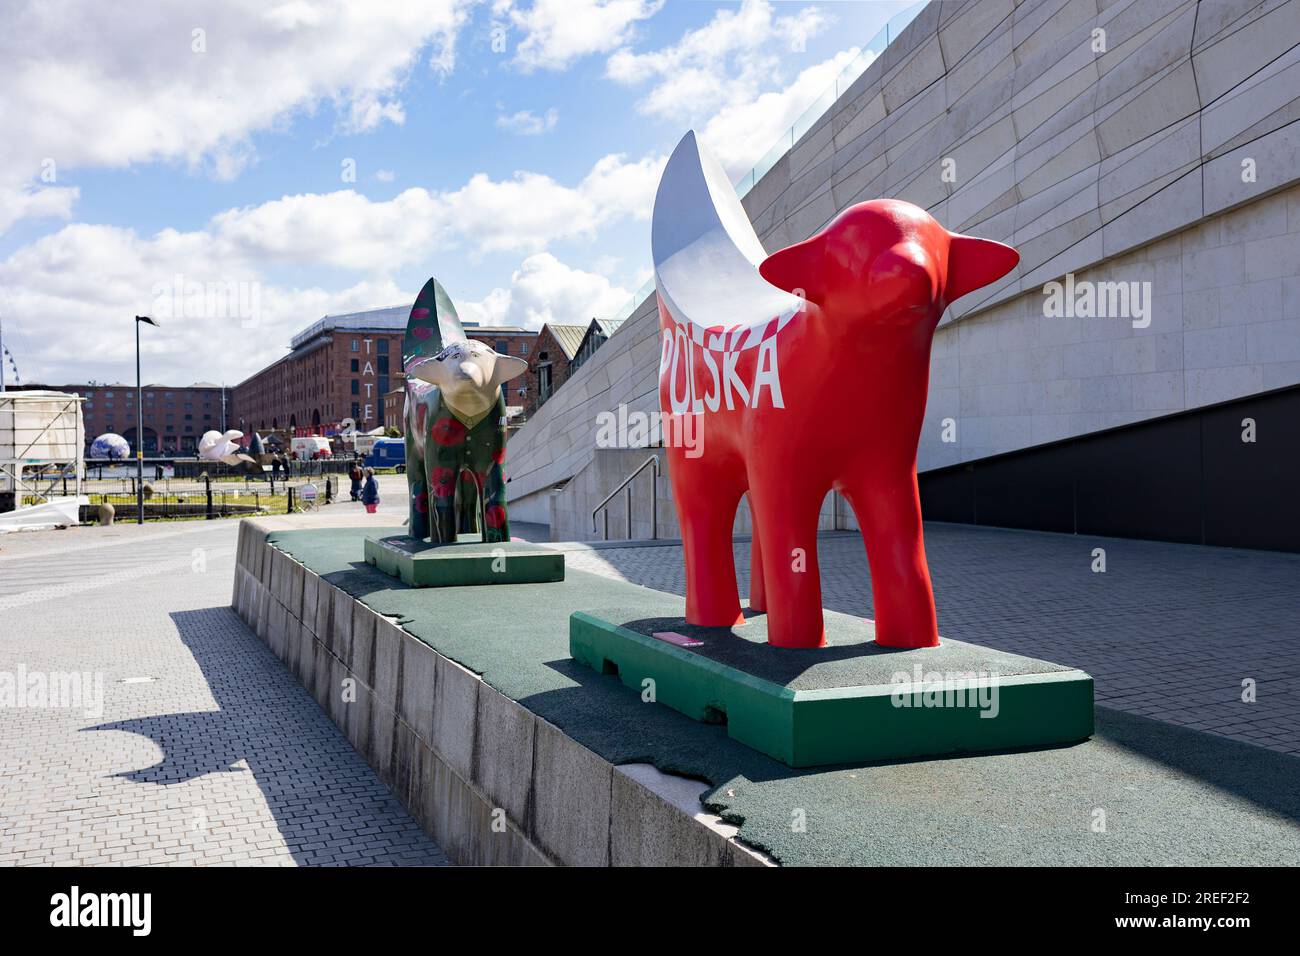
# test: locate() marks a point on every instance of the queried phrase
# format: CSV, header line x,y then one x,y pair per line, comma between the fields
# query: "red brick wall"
x,y
316,387
545,352
175,417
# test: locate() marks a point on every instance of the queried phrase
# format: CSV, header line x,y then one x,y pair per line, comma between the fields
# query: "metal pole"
x,y
654,500
139,433
628,500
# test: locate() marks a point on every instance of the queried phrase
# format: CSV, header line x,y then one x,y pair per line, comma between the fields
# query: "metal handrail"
x,y
626,486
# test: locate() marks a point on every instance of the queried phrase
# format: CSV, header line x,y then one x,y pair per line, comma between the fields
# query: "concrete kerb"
x,y
490,781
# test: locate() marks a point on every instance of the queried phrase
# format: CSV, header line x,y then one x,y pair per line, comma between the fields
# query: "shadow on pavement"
x,y
327,803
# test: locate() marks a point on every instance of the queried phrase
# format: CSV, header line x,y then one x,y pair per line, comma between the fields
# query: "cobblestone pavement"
x,y
1168,631
206,750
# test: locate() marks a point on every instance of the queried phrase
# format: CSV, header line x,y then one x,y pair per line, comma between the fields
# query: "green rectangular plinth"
x,y
848,702
424,565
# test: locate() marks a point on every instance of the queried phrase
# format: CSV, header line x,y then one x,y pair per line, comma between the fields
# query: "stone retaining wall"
x,y
486,778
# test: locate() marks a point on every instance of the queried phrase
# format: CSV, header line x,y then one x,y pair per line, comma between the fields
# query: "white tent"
x,y
41,441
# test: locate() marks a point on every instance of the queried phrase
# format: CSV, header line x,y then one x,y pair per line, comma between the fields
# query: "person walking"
x,y
370,492
356,476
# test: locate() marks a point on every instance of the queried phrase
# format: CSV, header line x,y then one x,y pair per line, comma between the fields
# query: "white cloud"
x,y
69,298
526,212
544,289
385,175
87,86
26,202
526,123
728,78
557,32
740,134
81,283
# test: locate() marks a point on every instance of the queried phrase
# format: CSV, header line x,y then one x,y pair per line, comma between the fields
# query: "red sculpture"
x,y
815,384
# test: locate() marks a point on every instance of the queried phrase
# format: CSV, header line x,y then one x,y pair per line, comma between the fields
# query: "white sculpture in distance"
x,y
214,446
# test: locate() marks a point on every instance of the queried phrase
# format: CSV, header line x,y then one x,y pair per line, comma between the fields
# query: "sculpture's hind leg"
x,y
889,513
757,586
496,522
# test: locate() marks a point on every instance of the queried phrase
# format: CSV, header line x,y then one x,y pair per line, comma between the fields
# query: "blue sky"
x,y
511,149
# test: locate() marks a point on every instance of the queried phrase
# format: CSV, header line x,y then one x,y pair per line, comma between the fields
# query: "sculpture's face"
x,y
469,374
887,261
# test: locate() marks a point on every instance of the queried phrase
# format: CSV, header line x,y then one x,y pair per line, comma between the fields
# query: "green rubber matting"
x,y
424,565
1169,795
848,701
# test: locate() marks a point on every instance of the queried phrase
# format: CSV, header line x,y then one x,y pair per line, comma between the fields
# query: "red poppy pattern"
x,y
447,432
444,482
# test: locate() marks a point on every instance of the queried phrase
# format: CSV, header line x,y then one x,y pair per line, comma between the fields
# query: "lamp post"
x,y
139,424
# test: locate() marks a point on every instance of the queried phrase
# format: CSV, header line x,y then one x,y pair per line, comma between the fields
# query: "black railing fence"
x,y
209,497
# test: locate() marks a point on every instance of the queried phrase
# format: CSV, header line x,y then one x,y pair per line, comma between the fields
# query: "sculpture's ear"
x,y
429,370
798,269
974,263
506,368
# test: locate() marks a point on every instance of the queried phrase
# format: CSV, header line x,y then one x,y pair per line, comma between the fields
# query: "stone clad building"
x,y
1148,143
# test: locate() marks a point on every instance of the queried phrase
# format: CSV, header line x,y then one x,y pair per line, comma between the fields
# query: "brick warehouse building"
x,y
340,367
175,416
550,364
560,351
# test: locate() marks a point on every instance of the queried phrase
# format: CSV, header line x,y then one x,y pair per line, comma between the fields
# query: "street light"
x,y
139,424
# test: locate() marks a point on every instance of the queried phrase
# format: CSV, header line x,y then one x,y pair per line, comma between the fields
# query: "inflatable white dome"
x,y
111,446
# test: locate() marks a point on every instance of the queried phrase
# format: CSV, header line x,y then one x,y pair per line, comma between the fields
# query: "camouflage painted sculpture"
x,y
804,371
455,424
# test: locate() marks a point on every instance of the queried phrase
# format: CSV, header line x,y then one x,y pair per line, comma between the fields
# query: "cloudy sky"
x,y
241,168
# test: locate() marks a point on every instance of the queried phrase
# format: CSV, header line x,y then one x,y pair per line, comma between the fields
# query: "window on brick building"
x,y
382,346
503,346
356,345
356,366
356,387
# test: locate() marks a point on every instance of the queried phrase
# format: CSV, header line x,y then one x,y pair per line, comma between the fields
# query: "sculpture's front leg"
x,y
417,482
444,473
